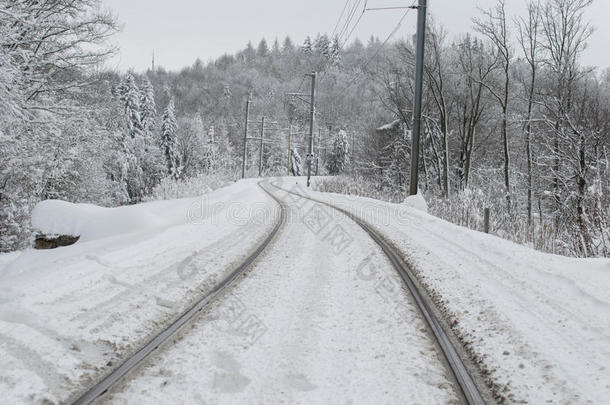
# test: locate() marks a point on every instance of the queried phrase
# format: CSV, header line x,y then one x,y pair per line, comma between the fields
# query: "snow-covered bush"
x,y
171,188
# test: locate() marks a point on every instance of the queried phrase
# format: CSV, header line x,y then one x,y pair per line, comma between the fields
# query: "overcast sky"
x,y
180,31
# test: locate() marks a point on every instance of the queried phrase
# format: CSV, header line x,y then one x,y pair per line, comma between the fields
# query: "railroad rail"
x,y
145,351
468,387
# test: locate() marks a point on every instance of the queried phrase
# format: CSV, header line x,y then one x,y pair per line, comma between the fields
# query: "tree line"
x,y
512,119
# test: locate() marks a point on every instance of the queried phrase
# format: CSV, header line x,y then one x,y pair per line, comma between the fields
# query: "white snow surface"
x,y
307,324
68,315
417,201
538,324
313,322
90,222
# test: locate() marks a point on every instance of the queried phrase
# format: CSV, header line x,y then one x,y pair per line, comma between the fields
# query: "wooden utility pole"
x,y
417,102
312,113
289,151
318,151
243,161
260,158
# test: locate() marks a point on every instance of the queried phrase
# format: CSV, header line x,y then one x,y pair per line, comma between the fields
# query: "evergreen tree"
x,y
307,47
335,51
323,46
339,155
148,108
287,46
129,95
168,140
263,49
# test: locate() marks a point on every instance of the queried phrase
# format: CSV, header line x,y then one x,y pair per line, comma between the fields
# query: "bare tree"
x,y
474,70
529,29
493,26
435,70
565,36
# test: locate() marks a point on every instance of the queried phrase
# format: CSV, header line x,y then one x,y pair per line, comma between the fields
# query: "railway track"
x,y
468,387
471,394
133,361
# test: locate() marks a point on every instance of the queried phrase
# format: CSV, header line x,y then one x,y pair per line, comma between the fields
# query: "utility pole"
x,y
243,161
318,152
312,113
353,152
417,102
260,158
289,151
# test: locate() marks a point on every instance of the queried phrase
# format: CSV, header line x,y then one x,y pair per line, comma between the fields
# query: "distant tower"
x,y
153,61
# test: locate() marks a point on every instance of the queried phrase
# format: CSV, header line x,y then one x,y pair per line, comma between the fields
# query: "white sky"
x,y
179,31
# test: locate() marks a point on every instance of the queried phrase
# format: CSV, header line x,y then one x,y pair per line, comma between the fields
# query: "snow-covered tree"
x,y
323,46
307,47
263,49
339,155
169,141
148,108
129,94
296,163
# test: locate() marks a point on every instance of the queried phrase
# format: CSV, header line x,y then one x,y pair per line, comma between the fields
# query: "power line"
x,y
392,33
383,44
340,17
350,17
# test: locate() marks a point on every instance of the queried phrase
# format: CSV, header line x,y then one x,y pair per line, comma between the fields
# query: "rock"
x,y
52,242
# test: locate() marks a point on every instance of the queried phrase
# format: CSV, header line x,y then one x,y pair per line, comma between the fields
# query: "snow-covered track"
x,y
130,363
469,389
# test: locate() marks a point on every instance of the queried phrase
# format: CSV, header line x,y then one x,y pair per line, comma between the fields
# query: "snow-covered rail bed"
x,y
69,316
321,317
535,324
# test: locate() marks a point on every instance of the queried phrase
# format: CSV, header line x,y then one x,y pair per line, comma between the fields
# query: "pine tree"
x,y
168,140
148,108
263,49
339,155
307,47
288,46
129,95
335,51
323,46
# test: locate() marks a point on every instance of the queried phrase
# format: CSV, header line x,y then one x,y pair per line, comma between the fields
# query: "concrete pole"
x,y
243,161
260,158
417,102
312,113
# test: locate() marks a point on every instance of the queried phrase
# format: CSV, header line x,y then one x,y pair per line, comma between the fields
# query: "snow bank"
x,y
416,201
54,217
91,222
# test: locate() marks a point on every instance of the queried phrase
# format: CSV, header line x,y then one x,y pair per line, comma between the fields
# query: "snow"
x,y
309,323
69,314
329,324
536,323
416,201
90,222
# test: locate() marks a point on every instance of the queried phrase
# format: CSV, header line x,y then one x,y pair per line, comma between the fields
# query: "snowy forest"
x,y
514,121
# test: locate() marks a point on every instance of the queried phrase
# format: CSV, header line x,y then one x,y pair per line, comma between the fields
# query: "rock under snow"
x,y
90,222
416,201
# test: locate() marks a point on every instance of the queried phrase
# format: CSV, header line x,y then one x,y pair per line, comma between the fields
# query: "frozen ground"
x,y
68,314
538,324
321,318
311,322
